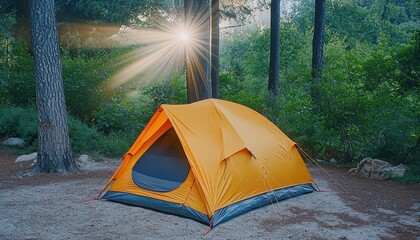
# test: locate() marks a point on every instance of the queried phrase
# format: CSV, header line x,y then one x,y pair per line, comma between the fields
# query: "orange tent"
x,y
210,161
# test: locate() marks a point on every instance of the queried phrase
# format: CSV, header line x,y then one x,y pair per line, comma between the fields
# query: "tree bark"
x,y
54,151
197,20
274,68
215,19
318,41
318,51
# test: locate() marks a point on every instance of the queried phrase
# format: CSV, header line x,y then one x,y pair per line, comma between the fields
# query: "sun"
x,y
183,36
162,53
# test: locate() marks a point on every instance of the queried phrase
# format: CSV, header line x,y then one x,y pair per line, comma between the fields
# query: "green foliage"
x,y
17,83
368,95
362,21
84,79
130,109
244,60
409,58
85,139
342,22
166,92
22,122
106,11
18,122
412,175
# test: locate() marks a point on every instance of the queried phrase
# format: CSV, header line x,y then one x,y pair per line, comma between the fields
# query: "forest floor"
x,y
50,206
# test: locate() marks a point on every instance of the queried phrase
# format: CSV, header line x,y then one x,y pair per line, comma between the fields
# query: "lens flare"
x,y
183,36
160,56
163,53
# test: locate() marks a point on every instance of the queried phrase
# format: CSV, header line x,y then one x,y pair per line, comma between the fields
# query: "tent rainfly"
x,y
210,161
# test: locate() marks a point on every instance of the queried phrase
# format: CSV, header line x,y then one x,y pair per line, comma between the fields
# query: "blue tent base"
x,y
158,205
221,215
231,211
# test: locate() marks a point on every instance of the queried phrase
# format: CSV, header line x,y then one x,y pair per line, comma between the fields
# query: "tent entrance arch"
x,y
164,166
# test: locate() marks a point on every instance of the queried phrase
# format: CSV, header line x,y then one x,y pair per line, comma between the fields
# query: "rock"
x,y
333,161
85,163
34,162
397,171
352,171
416,207
83,159
377,169
14,142
29,157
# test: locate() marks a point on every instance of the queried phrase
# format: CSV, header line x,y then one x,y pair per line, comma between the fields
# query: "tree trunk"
x,y
318,50
318,40
215,19
274,69
197,20
54,151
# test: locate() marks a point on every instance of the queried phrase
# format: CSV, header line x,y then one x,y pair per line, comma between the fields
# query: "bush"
x,y
17,81
88,140
115,144
412,175
130,111
19,122
22,122
85,76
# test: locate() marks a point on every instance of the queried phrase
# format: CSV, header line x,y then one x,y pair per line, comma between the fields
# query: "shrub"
x,y
130,111
19,122
17,81
85,76
22,122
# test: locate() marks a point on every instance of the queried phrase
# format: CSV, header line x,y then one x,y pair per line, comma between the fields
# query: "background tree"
x,y
80,18
318,45
198,70
54,151
215,32
274,68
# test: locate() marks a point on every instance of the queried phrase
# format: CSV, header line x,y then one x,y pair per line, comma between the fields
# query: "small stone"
x,y
34,162
29,157
14,142
83,158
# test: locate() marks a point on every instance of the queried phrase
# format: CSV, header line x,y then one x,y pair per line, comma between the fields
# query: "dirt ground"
x,y
49,206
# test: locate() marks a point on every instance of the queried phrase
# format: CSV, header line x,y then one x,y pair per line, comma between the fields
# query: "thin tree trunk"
x,y
215,19
54,151
197,18
318,40
318,51
274,69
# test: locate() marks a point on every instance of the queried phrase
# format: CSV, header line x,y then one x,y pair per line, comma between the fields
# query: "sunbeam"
x,y
161,54
164,51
